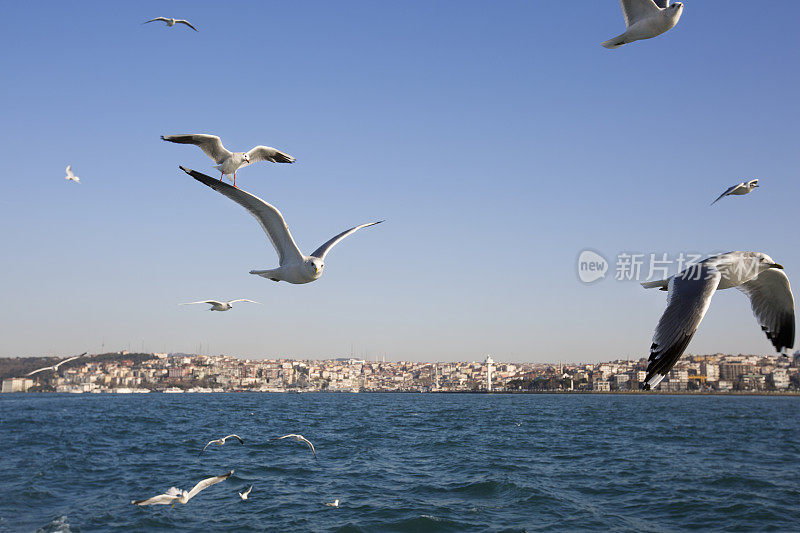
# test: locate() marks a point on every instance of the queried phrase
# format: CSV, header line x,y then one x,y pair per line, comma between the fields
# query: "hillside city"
x,y
123,372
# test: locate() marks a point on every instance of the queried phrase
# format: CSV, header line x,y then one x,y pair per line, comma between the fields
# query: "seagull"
x,y
646,19
175,495
299,438
229,162
245,494
71,176
334,503
220,442
220,306
738,190
294,266
754,273
55,367
171,22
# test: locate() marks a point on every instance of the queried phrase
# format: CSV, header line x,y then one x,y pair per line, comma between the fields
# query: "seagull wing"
x,y
69,172
309,445
67,360
163,19
773,304
687,302
211,145
39,370
212,302
161,499
265,153
207,483
237,437
636,10
325,248
207,445
247,492
181,21
727,192
268,216
233,302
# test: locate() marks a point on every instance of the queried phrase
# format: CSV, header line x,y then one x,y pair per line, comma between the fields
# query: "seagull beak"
x,y
776,265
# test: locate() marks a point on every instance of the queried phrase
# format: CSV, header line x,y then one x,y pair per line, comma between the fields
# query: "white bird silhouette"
x,y
334,503
298,438
220,306
175,495
294,266
220,442
55,367
737,190
71,176
245,494
229,162
171,22
646,19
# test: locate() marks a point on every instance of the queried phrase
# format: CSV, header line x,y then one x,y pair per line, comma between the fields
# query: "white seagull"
x,y
220,306
229,162
646,19
245,494
175,495
298,438
55,367
220,442
71,176
294,266
690,292
171,22
334,503
738,190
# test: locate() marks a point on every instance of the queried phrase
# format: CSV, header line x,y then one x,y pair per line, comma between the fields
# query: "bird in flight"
x,y
245,494
754,273
220,442
229,162
71,176
646,19
220,306
294,266
737,190
298,438
175,495
55,367
171,22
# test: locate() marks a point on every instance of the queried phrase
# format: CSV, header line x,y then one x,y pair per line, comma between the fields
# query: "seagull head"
x,y
766,262
675,11
246,158
753,183
314,266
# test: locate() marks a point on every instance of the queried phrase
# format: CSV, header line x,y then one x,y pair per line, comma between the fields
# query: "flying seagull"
x,y
738,190
690,292
245,494
334,503
294,266
220,306
298,438
229,162
220,442
71,176
55,367
175,495
646,19
171,22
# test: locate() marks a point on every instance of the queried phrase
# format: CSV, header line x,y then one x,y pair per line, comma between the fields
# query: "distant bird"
x,y
298,438
690,292
175,495
55,367
71,176
294,266
229,162
171,22
646,19
220,442
220,306
334,503
245,494
738,190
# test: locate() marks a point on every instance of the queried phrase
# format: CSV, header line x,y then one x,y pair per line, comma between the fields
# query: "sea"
x,y
402,462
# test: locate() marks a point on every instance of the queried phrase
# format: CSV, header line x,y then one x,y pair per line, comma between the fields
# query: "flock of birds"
x,y
755,274
175,495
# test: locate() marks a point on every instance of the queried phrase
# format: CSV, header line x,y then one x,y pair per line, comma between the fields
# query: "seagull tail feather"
x,y
616,42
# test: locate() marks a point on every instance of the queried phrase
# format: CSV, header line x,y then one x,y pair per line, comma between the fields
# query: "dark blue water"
x,y
402,462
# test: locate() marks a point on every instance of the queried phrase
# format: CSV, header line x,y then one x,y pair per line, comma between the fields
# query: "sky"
x,y
498,140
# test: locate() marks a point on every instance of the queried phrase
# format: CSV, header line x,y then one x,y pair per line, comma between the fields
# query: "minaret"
x,y
489,363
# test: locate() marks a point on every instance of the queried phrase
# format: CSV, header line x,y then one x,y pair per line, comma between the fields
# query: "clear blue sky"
x,y
498,140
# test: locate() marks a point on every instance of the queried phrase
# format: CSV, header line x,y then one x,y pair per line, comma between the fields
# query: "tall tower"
x,y
489,363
